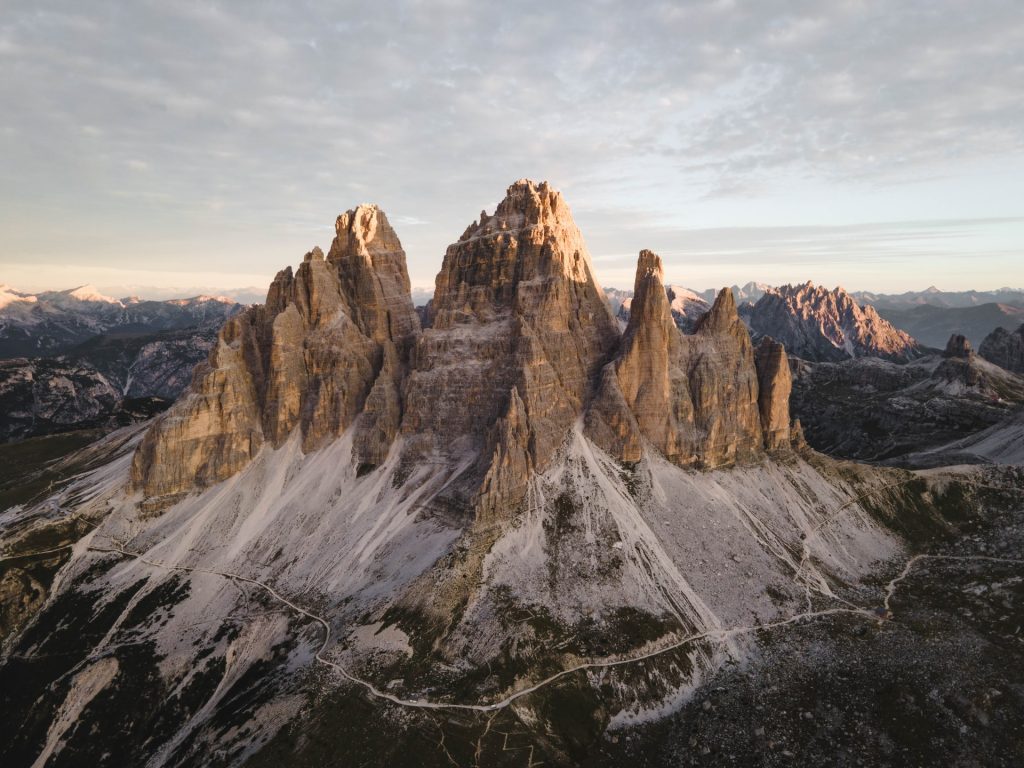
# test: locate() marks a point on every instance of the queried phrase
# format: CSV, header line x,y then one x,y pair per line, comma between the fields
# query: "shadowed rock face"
x,y
696,398
775,384
1005,349
521,344
958,346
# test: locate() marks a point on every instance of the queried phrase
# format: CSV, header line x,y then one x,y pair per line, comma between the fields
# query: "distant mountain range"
x,y
933,325
930,316
934,297
53,322
76,358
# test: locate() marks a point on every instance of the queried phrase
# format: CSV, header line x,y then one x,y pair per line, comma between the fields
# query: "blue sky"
x,y
163,148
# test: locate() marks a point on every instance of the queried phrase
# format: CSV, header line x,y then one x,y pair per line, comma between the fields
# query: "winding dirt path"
x,y
890,588
717,635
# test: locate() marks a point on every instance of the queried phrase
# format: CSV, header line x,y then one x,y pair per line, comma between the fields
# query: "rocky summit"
x,y
520,343
697,398
504,530
329,345
823,325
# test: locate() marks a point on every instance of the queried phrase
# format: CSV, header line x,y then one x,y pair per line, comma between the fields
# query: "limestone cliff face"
x,y
520,345
696,398
775,383
828,325
519,328
215,430
326,350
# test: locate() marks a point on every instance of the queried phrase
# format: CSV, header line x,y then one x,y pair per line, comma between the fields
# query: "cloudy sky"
x,y
164,147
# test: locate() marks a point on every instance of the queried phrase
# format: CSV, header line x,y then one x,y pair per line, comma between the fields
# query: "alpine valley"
x,y
518,527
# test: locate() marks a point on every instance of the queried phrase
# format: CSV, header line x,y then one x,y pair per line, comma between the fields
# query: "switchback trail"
x,y
717,635
891,587
714,635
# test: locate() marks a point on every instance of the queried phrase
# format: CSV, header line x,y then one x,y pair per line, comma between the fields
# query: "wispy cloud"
x,y
237,131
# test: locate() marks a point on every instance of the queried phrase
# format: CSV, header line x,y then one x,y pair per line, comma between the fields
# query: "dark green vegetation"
x,y
30,466
139,712
35,544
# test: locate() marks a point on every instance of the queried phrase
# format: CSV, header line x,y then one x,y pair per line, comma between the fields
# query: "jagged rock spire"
x,y
522,345
775,383
816,323
516,309
327,349
372,268
694,398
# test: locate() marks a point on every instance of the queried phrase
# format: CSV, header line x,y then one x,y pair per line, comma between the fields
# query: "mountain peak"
x,y
648,266
695,398
371,266
89,292
821,324
958,346
722,316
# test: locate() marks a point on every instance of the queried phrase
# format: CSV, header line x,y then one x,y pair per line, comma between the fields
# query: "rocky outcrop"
x,y
519,345
959,368
331,338
874,409
695,398
1005,349
518,329
774,386
212,432
686,306
20,597
958,346
822,325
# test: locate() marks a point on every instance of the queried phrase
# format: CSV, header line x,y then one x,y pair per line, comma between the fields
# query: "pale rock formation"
x,y
212,432
521,344
518,329
775,384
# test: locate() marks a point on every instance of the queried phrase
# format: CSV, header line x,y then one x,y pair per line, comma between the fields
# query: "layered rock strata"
x,y
327,347
521,344
695,398
518,329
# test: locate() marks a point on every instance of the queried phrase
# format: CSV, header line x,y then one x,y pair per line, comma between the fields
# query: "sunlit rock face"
x,y
519,329
828,325
693,397
328,346
521,344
